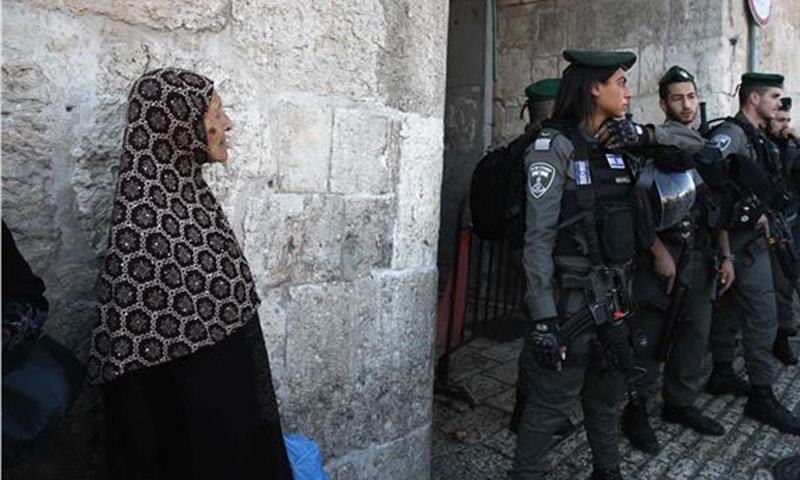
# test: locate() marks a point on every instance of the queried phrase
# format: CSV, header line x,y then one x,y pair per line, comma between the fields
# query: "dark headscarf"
x,y
174,278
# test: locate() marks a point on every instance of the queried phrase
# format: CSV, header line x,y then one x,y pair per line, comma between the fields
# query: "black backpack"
x,y
497,192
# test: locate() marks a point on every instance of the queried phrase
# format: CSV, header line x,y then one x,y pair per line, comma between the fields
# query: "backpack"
x,y
497,192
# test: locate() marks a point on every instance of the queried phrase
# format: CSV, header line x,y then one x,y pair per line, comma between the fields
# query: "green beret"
x,y
786,104
762,80
676,74
542,90
600,58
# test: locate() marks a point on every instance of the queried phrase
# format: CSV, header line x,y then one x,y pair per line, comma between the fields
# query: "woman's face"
x,y
217,123
611,97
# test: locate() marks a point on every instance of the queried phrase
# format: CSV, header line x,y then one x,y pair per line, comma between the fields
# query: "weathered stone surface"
x,y
182,14
367,240
514,72
364,152
407,457
294,238
417,228
324,47
356,352
302,139
411,68
707,37
360,82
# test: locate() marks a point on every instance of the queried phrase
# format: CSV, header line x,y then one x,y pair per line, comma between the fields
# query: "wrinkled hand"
x,y
727,275
545,345
623,133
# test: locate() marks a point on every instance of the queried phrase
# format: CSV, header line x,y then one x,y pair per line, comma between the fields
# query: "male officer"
x,y
682,261
783,136
541,100
751,300
580,224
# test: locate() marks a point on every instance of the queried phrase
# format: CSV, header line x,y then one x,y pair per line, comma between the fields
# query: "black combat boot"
x,y
764,407
723,381
636,426
781,348
692,418
614,474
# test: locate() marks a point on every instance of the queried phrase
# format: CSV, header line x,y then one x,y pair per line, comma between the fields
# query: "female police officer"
x,y
581,221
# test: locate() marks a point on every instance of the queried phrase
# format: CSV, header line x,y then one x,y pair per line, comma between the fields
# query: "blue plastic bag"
x,y
304,458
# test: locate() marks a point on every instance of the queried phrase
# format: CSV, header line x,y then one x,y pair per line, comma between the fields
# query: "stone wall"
x,y
708,37
332,187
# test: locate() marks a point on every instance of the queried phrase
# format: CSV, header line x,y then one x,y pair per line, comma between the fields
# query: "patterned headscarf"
x,y
174,278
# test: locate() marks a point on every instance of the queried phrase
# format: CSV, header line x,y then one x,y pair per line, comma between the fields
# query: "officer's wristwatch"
x,y
731,257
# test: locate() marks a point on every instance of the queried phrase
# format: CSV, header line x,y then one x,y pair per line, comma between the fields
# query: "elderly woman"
x,y
178,347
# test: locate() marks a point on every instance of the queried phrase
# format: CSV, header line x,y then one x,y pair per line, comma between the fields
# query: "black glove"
x,y
672,159
545,346
626,133
617,348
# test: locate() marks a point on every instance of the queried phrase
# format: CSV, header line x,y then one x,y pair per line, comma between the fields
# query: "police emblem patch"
x,y
540,177
721,141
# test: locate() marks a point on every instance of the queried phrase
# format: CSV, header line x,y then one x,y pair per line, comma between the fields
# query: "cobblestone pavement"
x,y
474,442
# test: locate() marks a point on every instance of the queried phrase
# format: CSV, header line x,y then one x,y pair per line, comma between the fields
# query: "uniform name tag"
x,y
542,144
582,174
615,161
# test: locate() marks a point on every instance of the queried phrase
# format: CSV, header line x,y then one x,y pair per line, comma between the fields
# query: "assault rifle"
x,y
703,128
781,241
611,309
677,304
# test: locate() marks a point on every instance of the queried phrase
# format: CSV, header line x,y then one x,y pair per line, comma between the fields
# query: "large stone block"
x,y
327,48
367,237
514,73
181,14
364,154
417,228
517,25
650,65
695,19
411,64
301,136
627,22
28,157
291,238
345,365
406,458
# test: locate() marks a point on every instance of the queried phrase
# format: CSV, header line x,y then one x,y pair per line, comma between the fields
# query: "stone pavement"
x,y
475,444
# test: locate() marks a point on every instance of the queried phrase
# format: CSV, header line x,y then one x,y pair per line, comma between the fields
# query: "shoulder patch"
x,y
540,178
542,144
721,141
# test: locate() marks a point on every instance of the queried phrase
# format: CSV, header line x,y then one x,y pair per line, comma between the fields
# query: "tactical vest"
x,y
768,158
604,196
